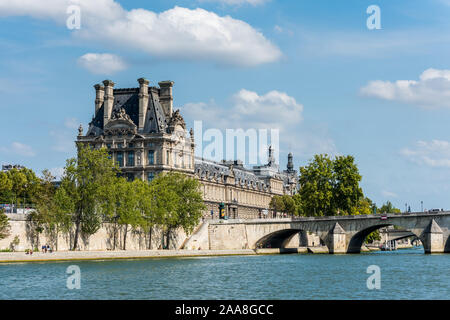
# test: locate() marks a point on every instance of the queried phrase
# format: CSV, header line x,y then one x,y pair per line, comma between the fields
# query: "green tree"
x,y
331,187
19,183
316,187
4,225
121,206
289,205
145,199
346,190
85,180
388,207
298,204
177,202
277,204
5,187
50,207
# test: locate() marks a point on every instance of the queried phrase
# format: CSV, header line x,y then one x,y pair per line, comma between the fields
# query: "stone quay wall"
x,y
106,238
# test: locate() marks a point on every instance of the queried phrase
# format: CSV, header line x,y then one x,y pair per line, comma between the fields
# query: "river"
x,y
405,274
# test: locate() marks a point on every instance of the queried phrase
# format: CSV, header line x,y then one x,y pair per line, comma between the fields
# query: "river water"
x,y
405,274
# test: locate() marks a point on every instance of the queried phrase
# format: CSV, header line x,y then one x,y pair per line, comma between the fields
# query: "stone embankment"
x,y
6,257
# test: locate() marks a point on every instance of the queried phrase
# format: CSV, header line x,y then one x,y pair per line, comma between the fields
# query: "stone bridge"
x,y
341,234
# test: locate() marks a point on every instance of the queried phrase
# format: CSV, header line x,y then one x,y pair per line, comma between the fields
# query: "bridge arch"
x,y
357,240
277,239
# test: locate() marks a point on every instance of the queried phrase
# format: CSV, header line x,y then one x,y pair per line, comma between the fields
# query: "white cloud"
x,y
389,194
275,110
434,153
178,33
272,110
431,90
101,63
20,149
238,2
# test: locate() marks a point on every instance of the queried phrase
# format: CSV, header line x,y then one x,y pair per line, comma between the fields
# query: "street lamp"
x,y
421,205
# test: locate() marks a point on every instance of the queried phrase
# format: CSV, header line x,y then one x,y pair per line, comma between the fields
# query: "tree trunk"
x,y
150,238
168,238
114,235
77,231
125,237
57,236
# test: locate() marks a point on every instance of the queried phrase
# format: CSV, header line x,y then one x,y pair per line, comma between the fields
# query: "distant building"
x,y
146,137
8,167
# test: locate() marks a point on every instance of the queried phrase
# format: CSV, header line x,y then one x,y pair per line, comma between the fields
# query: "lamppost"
x,y
421,205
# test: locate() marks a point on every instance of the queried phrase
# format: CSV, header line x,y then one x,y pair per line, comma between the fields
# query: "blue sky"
x,y
312,68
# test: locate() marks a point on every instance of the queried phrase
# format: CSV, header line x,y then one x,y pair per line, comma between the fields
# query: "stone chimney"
x,y
143,101
166,97
99,96
109,100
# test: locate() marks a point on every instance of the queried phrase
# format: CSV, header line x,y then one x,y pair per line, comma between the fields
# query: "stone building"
x,y
146,137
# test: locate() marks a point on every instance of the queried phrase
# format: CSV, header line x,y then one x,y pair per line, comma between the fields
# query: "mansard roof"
x,y
128,99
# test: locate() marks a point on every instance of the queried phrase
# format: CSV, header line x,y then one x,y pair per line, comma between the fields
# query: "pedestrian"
x,y
48,249
43,248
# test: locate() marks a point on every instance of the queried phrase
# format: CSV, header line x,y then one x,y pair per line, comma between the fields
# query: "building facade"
x,y
146,137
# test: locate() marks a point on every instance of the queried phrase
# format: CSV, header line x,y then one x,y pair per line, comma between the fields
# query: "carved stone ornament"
x,y
138,158
120,131
177,119
120,114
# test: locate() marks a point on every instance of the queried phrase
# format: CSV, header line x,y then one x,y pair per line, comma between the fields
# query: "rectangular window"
x,y
150,176
120,159
151,145
130,176
130,145
130,162
167,157
151,157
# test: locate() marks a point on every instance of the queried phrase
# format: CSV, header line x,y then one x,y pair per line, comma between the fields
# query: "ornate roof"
x,y
126,104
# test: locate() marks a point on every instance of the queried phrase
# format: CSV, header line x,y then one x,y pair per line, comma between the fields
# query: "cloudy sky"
x,y
309,68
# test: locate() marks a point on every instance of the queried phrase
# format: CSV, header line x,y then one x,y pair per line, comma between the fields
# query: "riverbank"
x,y
9,257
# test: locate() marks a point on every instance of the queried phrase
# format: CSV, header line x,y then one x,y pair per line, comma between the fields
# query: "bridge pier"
x,y
433,238
337,239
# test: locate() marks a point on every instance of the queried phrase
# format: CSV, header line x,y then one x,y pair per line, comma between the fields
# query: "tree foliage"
x,y
4,225
83,186
330,187
388,207
177,202
284,204
18,186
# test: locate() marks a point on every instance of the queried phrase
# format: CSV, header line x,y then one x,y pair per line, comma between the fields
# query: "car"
x,y
434,210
